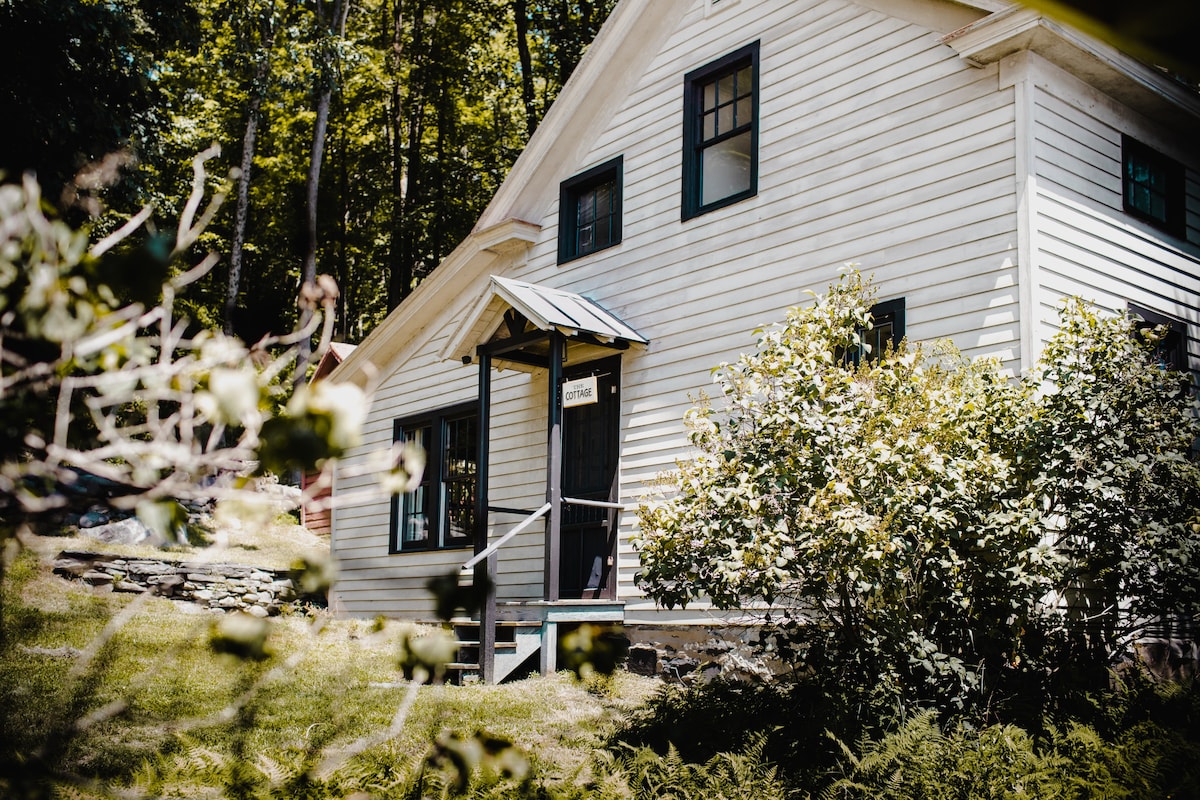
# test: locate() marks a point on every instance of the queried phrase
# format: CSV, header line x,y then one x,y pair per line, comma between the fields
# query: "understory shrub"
x,y
930,532
921,760
789,719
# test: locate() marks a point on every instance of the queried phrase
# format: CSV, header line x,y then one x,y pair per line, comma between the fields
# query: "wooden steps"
x,y
524,630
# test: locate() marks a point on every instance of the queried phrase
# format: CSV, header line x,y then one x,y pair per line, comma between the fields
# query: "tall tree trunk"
x,y
258,88
395,124
521,16
410,188
344,303
326,68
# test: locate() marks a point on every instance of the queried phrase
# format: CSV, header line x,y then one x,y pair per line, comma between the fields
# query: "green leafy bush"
x,y
927,531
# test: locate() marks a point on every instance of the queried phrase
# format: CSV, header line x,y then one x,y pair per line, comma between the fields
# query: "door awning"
x,y
512,310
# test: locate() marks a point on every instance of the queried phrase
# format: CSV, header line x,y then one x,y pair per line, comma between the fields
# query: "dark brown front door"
x,y
589,471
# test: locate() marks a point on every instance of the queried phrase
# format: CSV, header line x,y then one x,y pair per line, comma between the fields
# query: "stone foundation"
x,y
222,587
687,653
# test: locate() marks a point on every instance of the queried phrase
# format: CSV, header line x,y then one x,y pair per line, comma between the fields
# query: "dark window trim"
x,y
693,144
1152,319
894,309
436,420
883,311
568,198
1175,223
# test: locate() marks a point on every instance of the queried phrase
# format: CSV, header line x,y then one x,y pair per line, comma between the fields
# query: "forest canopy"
x,y
360,138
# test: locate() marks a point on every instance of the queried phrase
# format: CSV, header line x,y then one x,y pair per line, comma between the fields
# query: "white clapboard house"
x,y
708,161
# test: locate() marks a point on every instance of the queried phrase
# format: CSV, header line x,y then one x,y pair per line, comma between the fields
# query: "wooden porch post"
x,y
554,468
487,613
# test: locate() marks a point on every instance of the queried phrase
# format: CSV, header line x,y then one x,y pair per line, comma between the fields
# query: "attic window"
x,y
589,211
1153,186
720,132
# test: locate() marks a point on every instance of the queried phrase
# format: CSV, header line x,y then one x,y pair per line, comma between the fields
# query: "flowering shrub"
x,y
920,528
131,392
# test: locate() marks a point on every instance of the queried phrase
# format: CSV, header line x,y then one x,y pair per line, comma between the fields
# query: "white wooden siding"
x,y
878,145
1084,244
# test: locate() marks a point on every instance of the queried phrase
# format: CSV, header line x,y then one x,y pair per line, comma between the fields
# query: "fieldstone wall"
x,y
222,587
690,653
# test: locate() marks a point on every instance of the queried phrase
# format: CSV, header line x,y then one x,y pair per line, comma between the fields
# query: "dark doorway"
x,y
589,472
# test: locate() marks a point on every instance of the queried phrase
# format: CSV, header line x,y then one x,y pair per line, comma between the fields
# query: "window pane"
x,y
725,169
585,240
414,521
586,209
725,119
709,100
603,195
461,448
459,469
1158,207
709,121
460,511
745,81
1146,185
745,112
725,88
604,212
880,337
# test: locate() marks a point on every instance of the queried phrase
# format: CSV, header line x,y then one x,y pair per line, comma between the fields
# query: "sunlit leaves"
x,y
931,518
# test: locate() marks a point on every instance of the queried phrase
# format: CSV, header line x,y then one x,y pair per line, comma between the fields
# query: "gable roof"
x,y
546,308
334,355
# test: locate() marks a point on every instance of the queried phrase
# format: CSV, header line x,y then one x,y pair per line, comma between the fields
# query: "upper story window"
x,y
887,329
589,211
440,512
720,132
1170,347
1153,187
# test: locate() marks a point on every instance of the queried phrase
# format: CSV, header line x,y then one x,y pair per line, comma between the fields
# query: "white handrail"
x,y
575,501
496,545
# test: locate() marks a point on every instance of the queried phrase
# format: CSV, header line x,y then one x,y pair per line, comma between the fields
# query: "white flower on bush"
x,y
232,397
217,348
344,404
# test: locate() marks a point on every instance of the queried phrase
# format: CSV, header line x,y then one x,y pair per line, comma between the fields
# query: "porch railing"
x,y
496,545
487,556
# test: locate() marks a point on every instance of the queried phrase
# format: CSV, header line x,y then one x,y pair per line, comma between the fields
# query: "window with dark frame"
x,y
1170,349
720,132
1152,185
887,329
589,211
440,512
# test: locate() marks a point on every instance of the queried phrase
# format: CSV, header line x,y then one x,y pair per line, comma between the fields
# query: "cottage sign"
x,y
579,392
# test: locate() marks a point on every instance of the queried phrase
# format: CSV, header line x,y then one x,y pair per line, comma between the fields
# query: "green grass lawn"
x,y
187,715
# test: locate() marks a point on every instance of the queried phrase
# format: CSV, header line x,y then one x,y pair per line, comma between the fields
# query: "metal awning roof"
x,y
543,307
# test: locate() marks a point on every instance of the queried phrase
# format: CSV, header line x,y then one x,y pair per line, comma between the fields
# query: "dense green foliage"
x,y
430,103
1138,740
81,79
928,532
921,760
